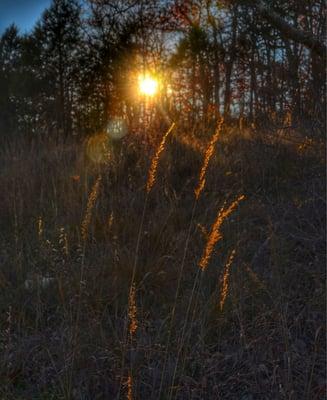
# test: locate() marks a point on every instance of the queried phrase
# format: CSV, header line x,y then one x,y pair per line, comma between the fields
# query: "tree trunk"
x,y
229,66
289,31
216,72
294,64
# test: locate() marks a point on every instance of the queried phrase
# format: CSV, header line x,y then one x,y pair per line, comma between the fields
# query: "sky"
x,y
24,13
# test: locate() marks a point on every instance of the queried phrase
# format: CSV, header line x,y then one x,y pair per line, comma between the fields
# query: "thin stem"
x,y
126,336
177,293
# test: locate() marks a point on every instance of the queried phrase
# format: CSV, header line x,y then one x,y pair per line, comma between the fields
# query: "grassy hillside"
x,y
102,295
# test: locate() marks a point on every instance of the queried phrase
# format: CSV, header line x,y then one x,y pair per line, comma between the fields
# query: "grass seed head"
x,y
129,387
208,154
225,280
90,205
132,311
155,160
215,233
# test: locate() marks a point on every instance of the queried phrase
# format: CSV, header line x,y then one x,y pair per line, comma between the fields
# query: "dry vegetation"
x,y
120,283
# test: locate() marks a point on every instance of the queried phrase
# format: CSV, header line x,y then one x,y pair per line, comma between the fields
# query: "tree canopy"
x,y
244,59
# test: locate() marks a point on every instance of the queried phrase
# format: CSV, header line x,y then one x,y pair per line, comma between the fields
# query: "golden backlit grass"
x,y
155,160
225,280
90,205
107,330
208,154
215,233
129,387
132,311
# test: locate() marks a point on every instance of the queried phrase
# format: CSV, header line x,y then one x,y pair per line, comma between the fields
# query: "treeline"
x,y
258,61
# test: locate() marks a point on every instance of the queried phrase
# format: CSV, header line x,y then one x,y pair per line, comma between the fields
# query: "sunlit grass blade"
x,y
225,280
90,205
155,160
215,234
208,154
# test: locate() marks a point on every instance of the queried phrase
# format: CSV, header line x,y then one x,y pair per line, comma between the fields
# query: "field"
x,y
172,270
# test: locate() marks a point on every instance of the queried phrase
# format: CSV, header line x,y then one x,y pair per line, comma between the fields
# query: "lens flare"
x,y
116,128
148,85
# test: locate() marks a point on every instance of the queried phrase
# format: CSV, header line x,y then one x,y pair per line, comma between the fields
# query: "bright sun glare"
x,y
148,85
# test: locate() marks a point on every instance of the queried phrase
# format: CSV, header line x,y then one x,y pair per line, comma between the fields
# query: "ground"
x,y
73,233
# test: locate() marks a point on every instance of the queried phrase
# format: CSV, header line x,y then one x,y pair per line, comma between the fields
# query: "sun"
x,y
148,85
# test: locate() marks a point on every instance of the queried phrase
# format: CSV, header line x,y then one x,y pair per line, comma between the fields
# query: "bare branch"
x,y
290,32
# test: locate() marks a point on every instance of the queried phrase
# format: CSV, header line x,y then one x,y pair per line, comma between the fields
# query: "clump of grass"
x,y
215,234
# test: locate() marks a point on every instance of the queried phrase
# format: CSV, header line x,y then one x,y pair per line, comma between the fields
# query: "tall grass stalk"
x,y
92,198
89,208
225,280
215,233
214,236
152,174
208,154
133,325
172,318
132,311
197,192
155,160
129,387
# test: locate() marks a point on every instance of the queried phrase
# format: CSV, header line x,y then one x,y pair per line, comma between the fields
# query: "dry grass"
x,y
132,311
215,234
208,154
72,339
225,280
154,163
90,205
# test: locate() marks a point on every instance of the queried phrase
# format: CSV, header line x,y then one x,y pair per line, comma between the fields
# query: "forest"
x,y
163,201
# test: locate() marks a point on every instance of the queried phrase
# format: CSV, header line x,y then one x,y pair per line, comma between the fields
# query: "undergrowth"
x,y
102,291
